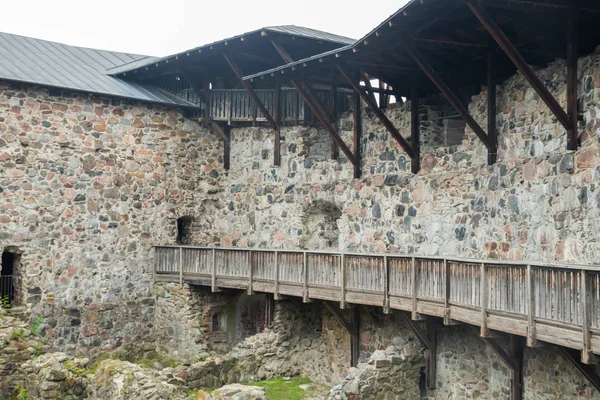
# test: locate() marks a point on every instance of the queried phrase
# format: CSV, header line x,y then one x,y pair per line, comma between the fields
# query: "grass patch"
x,y
280,389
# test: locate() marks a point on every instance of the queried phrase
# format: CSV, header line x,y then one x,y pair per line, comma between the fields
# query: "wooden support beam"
x,y
380,115
307,94
218,130
335,150
368,87
415,132
227,149
357,119
448,93
491,107
352,326
513,358
277,117
251,92
572,55
428,340
355,336
511,51
586,370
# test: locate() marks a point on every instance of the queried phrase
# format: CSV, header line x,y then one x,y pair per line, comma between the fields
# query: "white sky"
x,y
162,27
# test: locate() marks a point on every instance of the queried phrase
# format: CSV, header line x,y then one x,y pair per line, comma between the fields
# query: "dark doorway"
x,y
7,278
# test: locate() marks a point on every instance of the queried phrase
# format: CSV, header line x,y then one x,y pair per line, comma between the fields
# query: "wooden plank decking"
x,y
553,303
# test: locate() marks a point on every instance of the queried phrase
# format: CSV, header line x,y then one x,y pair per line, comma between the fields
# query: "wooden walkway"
x,y
552,303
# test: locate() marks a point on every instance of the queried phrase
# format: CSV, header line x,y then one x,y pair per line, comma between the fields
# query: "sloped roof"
x,y
290,30
46,63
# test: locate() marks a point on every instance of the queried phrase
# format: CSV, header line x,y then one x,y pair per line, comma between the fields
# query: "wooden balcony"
x,y
558,304
236,105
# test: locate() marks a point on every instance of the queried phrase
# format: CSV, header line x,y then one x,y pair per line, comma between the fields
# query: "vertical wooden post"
x,y
250,272
415,134
214,271
516,353
447,312
277,118
335,149
305,294
207,96
531,333
484,299
431,354
276,294
386,285
587,357
355,336
227,146
181,266
343,281
357,134
572,55
491,106
414,287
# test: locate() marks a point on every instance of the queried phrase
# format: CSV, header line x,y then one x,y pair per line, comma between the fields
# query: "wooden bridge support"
x,y
428,339
491,107
352,326
513,358
277,117
568,119
589,372
415,134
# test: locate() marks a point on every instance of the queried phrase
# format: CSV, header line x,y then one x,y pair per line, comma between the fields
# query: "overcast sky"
x,y
158,28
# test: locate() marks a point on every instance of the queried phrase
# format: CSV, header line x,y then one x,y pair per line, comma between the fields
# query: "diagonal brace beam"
x,y
586,370
338,315
448,93
511,51
380,115
508,360
421,335
251,92
315,105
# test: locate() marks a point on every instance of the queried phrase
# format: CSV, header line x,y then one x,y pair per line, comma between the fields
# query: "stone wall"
x,y
88,186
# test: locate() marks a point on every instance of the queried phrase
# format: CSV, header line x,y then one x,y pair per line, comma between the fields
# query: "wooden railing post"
x,y
276,294
250,272
214,271
386,285
414,288
447,312
587,357
531,333
305,264
181,266
484,299
343,281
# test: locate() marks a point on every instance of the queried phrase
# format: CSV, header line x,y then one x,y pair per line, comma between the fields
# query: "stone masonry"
x,y
89,185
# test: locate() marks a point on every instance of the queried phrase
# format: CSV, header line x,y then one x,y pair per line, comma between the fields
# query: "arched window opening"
x,y
184,230
8,278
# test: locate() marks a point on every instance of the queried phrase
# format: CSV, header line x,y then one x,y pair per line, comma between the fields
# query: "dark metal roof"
x,y
289,30
58,65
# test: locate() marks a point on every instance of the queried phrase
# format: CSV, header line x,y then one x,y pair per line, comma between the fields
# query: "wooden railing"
x,y
552,303
235,105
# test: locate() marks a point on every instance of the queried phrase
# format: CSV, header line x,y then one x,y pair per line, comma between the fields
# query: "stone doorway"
x,y
9,270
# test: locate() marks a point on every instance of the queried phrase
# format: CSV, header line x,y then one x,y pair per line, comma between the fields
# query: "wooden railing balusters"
x,y
343,281
214,271
484,299
386,285
414,287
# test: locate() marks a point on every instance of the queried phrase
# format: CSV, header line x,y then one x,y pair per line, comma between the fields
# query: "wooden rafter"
x,y
380,115
448,93
511,51
251,92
